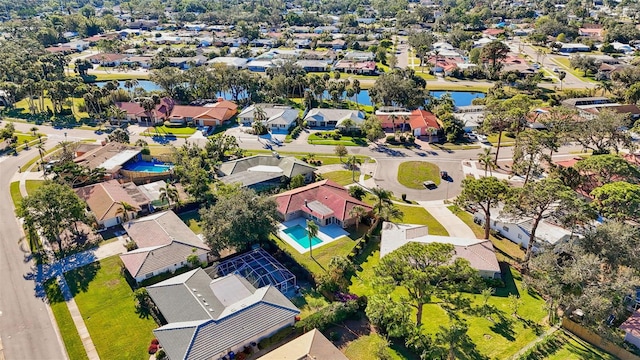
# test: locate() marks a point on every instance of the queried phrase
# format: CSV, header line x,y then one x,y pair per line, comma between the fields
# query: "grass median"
x,y
412,174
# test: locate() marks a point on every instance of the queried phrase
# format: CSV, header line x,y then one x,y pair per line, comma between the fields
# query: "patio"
x,y
327,234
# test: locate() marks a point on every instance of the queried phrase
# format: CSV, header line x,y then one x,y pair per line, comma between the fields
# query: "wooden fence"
x,y
596,340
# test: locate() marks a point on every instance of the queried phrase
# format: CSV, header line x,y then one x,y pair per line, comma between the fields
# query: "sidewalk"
x,y
455,227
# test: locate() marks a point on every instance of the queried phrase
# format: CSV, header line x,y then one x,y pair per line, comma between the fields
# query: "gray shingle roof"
x,y
235,312
161,229
153,259
236,171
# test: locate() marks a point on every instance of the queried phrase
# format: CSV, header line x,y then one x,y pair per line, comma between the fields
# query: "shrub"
x,y
402,138
331,314
317,133
336,136
130,245
145,151
404,197
155,342
153,348
334,336
391,138
161,355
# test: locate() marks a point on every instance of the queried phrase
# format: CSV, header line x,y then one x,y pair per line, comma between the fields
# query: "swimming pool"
x,y
299,235
146,166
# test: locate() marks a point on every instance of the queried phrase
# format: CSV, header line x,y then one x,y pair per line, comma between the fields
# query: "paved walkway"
x,y
455,227
537,340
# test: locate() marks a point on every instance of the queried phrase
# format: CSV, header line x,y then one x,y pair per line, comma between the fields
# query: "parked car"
x,y
430,185
444,175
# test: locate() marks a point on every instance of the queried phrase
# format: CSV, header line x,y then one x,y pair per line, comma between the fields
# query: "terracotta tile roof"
x,y
493,32
106,57
417,119
568,163
327,193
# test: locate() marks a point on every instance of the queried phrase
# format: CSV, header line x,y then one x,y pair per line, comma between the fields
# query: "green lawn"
x,y
33,185
344,140
68,330
505,246
575,348
415,215
566,64
107,306
163,130
499,336
343,177
506,140
192,219
22,137
325,158
77,102
310,302
366,347
321,255
28,164
14,189
452,146
118,76
413,173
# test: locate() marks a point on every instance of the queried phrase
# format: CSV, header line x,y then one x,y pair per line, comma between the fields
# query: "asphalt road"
x,y
26,328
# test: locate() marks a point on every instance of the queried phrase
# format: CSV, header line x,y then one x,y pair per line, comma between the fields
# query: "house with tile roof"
x,y
213,114
311,345
480,253
164,243
419,121
262,172
104,201
324,201
211,319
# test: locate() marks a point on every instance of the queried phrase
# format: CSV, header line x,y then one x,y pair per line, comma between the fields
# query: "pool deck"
x,y
327,233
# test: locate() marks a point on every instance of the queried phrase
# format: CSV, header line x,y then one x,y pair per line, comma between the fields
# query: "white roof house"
x,y
279,117
478,252
320,117
236,62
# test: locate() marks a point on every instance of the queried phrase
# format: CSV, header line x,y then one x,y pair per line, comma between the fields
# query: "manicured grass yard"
x,y
68,331
310,302
107,306
14,189
413,173
505,246
506,140
192,219
575,348
344,140
163,130
498,336
365,347
77,102
416,215
343,177
33,185
321,255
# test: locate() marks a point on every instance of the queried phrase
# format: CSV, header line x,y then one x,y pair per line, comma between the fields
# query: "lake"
x,y
460,98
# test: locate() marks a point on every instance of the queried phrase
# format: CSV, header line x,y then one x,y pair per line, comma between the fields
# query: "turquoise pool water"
x,y
145,166
299,235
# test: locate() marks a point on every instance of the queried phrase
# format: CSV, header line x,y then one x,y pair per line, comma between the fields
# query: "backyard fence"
x,y
597,340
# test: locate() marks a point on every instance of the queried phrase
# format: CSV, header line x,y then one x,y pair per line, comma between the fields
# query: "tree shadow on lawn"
x,y
509,283
79,279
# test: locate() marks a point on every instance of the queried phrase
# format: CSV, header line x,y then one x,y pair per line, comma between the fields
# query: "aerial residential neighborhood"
x,y
324,180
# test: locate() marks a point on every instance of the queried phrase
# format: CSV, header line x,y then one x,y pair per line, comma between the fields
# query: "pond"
x,y
147,85
460,98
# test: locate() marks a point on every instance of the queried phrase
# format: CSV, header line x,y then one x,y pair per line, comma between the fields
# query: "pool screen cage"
x,y
260,269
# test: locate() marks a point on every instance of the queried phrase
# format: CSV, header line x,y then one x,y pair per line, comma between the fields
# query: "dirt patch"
x,y
350,330
112,283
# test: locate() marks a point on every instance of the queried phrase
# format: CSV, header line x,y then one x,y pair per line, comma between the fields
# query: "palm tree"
x,y
358,212
169,193
33,130
312,231
141,143
124,210
353,162
561,76
393,118
487,160
605,86
405,119
390,212
383,199
148,104
40,148
259,115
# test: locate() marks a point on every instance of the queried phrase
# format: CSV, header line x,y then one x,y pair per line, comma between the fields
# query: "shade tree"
x,y
484,193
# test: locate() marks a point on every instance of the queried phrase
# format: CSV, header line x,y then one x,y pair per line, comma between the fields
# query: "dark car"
x,y
444,175
430,185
